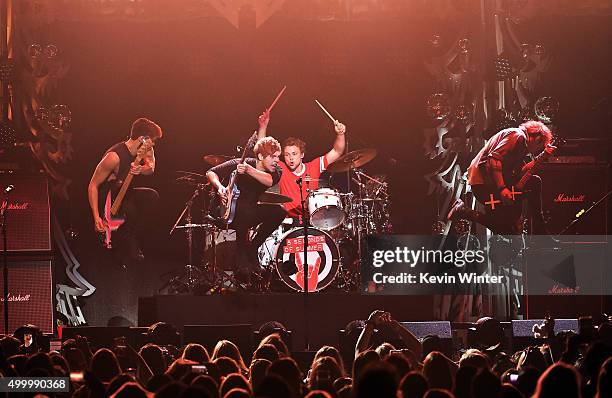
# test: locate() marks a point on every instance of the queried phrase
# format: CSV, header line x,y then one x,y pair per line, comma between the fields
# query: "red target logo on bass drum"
x,y
322,256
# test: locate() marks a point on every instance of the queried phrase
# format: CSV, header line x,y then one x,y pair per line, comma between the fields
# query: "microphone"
x,y
9,188
299,181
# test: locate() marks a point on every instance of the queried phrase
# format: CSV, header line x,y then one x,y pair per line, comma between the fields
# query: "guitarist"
x,y
254,176
116,164
494,171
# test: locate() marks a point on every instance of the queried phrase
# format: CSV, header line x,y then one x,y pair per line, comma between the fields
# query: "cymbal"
x,y
189,174
214,160
273,198
352,160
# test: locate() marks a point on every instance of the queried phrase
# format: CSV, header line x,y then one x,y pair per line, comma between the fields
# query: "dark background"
x,y
206,82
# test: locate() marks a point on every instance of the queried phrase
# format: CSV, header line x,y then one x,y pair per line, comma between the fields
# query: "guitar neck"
x,y
233,178
122,191
537,162
121,194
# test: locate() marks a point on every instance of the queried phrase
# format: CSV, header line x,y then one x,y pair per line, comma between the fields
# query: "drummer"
x,y
293,150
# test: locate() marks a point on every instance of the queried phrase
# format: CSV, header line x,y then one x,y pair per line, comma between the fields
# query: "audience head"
x,y
197,353
437,371
413,385
226,348
104,365
559,380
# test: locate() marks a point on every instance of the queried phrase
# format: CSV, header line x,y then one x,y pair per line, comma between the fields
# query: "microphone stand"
x,y
305,222
3,214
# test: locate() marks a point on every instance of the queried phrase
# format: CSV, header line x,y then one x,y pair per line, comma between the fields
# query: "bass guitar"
x,y
112,203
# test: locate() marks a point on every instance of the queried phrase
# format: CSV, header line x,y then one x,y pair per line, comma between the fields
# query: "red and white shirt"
x,y
289,187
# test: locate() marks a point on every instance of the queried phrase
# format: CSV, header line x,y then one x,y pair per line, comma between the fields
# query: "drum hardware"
x,y
191,276
207,278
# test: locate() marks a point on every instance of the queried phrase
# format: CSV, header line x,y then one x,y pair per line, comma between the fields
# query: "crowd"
x,y
389,361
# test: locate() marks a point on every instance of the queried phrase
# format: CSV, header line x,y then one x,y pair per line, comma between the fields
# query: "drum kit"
x,y
337,223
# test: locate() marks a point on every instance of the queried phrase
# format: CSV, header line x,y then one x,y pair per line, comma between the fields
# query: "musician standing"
x,y
495,170
254,176
293,167
109,175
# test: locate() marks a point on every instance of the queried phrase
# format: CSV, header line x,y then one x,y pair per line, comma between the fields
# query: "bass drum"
x,y
322,254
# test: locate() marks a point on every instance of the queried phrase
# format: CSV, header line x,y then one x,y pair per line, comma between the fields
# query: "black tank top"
x,y
113,185
125,160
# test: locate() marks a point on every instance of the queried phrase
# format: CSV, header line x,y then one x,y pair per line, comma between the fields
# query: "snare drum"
x,y
322,254
325,209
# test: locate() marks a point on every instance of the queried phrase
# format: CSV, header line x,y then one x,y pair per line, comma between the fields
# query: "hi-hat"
x,y
214,160
352,160
273,198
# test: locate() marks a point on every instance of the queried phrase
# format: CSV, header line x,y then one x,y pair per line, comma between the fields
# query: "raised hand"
x,y
339,127
264,119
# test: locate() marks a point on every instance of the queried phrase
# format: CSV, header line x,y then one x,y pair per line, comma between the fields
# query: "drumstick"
x,y
325,110
276,99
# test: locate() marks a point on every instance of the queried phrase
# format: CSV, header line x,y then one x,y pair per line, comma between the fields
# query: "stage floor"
x,y
323,317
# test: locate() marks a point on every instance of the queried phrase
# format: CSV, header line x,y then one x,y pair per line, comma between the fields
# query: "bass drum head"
x,y
322,254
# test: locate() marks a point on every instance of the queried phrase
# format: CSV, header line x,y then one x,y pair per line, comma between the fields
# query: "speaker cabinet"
x,y
569,188
28,217
30,294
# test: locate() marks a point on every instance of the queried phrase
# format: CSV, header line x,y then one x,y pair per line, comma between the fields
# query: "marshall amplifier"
x,y
30,295
28,226
568,189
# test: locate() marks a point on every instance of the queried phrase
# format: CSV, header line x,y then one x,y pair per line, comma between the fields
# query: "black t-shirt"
x,y
250,188
508,146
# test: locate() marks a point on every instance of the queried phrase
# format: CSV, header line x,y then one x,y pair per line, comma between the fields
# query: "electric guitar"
x,y
516,182
227,209
112,203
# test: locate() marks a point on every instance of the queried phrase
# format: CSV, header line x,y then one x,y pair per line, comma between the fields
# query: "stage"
x,y
326,313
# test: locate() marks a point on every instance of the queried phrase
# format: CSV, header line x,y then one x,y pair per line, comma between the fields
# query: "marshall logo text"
x,y
564,198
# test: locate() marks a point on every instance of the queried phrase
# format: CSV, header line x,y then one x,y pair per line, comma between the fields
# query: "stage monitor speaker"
x,y
524,328
441,329
28,217
30,294
209,335
103,336
569,188
522,331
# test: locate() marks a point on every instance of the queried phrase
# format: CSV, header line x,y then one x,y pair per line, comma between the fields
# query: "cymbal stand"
x,y
188,279
218,279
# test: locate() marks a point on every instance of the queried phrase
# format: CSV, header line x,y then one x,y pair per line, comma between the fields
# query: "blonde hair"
x,y
266,146
533,127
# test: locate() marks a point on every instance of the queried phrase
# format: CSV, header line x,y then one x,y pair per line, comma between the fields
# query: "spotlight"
x,y
503,68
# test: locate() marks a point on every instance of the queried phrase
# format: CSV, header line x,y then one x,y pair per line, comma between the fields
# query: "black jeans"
x,y
139,208
505,218
249,216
